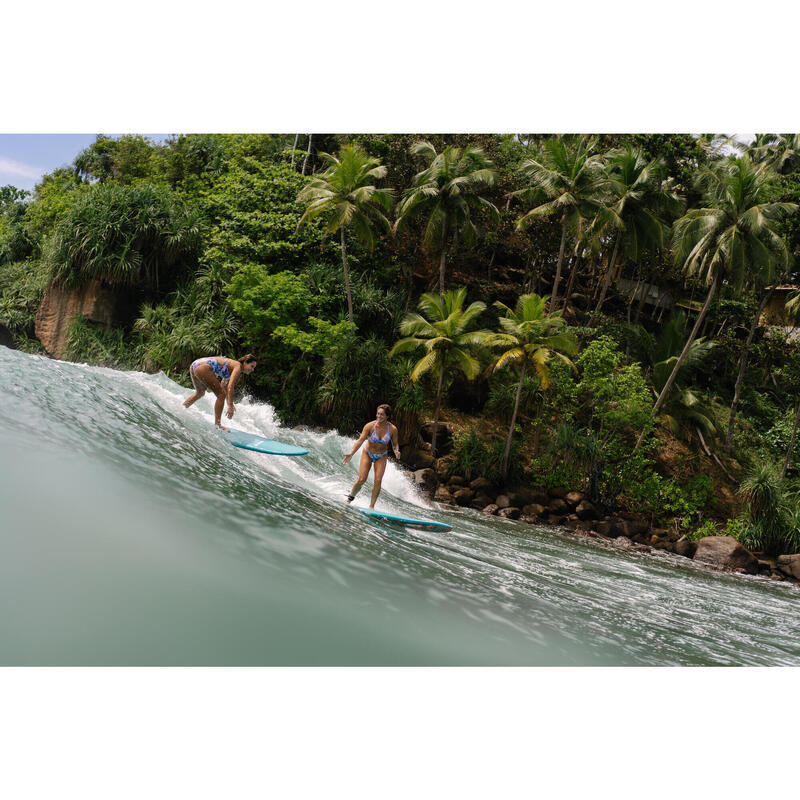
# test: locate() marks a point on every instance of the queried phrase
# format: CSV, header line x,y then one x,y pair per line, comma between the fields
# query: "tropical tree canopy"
x,y
567,181
346,191
443,329
125,235
532,337
448,192
734,231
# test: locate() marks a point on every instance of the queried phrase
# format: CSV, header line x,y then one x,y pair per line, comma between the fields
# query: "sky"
x,y
25,157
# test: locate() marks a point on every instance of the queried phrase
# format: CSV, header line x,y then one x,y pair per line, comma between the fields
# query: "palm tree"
x,y
683,407
732,236
447,192
780,151
444,333
532,337
346,191
640,198
566,180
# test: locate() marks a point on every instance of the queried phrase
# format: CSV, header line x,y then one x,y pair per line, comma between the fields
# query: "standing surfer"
x,y
377,434
219,375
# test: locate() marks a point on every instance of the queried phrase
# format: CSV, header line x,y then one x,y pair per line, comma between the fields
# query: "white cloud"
x,y
10,167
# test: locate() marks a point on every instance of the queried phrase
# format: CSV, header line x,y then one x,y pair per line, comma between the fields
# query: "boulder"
x,y
603,527
444,438
789,565
525,497
629,527
503,500
492,508
685,547
534,510
585,510
557,491
573,498
456,480
443,495
558,519
660,542
509,512
463,496
418,459
725,552
481,501
426,479
480,485
529,519
558,506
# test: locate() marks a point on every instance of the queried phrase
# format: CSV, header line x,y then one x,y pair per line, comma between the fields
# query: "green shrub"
x,y
773,522
86,342
22,286
666,499
708,528
356,376
475,457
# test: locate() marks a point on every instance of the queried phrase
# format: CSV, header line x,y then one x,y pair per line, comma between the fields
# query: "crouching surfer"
x,y
377,435
218,374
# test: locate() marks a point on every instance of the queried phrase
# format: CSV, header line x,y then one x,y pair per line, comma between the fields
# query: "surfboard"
x,y
249,441
420,524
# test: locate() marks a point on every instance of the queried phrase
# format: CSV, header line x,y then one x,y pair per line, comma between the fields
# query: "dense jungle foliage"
x,y
610,313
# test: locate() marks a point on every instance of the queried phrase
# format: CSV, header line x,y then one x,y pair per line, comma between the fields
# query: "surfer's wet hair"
x,y
248,359
387,408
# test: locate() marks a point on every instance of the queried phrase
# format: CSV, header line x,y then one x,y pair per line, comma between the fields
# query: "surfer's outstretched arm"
x,y
359,442
236,370
395,442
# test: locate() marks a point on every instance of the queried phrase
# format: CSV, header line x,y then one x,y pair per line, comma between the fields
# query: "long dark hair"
x,y
248,359
388,409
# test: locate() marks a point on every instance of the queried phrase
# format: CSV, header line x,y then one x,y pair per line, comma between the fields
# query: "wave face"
x,y
133,534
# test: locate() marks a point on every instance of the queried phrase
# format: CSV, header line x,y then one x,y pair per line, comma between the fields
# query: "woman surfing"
x,y
378,435
219,375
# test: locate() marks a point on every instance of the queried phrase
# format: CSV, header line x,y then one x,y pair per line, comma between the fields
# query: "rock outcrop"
x,y
727,553
790,565
103,306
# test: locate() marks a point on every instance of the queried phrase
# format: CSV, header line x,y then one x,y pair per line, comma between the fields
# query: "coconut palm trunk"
x,y
576,263
682,357
607,279
788,458
507,452
554,294
436,411
346,278
644,296
742,367
294,146
443,259
308,153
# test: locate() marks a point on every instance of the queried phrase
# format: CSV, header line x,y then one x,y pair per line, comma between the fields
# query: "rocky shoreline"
x,y
562,508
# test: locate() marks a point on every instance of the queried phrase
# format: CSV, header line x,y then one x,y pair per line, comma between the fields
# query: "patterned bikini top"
x,y
373,437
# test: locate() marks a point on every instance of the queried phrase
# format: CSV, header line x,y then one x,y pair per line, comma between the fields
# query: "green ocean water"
x,y
132,534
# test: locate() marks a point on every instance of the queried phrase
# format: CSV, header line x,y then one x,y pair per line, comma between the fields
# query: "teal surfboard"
x,y
249,441
421,524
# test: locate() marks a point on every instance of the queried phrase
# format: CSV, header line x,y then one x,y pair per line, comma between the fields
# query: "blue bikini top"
x,y
373,437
